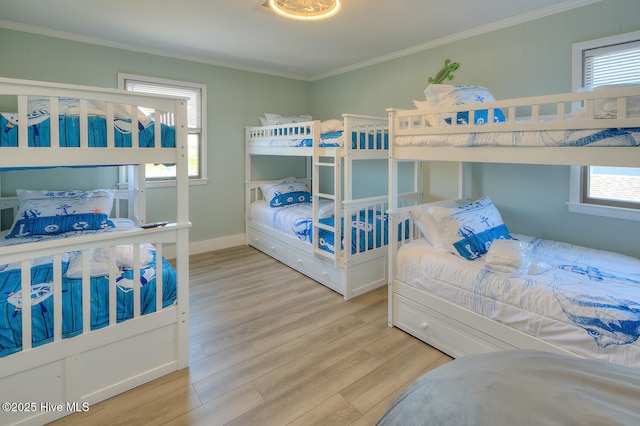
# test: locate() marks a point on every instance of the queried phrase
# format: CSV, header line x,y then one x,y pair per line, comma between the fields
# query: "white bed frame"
x,y
346,273
50,381
450,328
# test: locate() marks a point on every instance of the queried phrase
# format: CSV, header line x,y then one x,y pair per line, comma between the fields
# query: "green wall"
x,y
527,59
533,58
234,99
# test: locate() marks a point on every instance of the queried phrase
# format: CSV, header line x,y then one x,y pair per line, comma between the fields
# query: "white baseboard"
x,y
198,247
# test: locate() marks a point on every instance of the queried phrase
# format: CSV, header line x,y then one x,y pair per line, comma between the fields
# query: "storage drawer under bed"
x,y
316,268
440,330
269,245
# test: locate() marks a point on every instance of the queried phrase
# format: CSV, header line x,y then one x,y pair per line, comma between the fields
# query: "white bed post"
x,y
182,244
463,194
247,180
137,192
393,205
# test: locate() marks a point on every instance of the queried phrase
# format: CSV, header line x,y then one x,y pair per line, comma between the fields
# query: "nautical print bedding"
x,y
368,228
578,138
359,140
42,303
586,301
69,125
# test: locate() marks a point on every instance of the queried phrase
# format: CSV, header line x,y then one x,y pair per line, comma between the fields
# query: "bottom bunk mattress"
x,y
584,300
368,227
72,324
520,388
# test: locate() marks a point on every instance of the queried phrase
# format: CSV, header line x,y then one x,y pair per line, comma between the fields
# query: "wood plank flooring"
x,y
270,346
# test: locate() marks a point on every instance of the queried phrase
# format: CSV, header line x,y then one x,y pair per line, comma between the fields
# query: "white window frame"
x,y
576,173
202,179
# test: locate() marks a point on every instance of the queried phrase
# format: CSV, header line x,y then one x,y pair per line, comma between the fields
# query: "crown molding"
x,y
505,23
142,49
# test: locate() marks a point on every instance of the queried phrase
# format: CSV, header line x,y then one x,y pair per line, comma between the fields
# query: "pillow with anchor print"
x,y
469,230
285,193
54,212
445,95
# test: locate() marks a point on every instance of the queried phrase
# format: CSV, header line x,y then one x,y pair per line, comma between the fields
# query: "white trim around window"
x,y
575,203
202,178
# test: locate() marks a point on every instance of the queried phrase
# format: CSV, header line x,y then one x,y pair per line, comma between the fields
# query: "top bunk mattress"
x,y
469,116
359,140
584,300
627,137
39,131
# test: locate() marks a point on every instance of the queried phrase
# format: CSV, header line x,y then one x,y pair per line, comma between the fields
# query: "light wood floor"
x,y
269,346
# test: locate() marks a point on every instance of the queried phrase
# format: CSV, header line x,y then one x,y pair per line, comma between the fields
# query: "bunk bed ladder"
x,y
327,159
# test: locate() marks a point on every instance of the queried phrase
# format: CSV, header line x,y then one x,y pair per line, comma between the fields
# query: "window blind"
x,y
194,95
615,64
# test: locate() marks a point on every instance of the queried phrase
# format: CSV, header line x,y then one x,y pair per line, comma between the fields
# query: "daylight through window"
x,y
617,63
195,105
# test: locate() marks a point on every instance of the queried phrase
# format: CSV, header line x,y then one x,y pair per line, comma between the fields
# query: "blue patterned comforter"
x,y
368,228
42,300
39,131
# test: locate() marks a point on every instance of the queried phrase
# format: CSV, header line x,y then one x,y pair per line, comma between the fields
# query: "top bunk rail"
x,y
357,135
597,109
580,128
124,127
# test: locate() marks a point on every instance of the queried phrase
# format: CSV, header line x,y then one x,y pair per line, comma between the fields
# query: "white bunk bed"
x,y
329,174
69,354
417,305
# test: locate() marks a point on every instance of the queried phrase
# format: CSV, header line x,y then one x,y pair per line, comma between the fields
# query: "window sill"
x,y
167,183
604,211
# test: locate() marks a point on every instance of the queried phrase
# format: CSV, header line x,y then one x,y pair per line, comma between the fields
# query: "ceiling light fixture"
x,y
305,10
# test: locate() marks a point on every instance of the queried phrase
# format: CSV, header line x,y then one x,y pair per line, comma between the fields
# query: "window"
x,y
195,122
606,190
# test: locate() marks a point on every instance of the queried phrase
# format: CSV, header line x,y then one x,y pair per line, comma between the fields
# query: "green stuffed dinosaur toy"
x,y
445,73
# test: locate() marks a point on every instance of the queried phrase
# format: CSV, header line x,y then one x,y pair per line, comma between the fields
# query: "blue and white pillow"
x,y
444,95
55,212
480,116
469,230
286,192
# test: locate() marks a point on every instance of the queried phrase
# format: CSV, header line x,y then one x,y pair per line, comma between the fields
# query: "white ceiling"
x,y
242,34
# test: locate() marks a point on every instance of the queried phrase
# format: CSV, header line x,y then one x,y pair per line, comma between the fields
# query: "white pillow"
x,y
71,106
422,105
326,209
469,230
124,255
273,119
439,95
332,125
97,268
427,224
509,257
608,108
